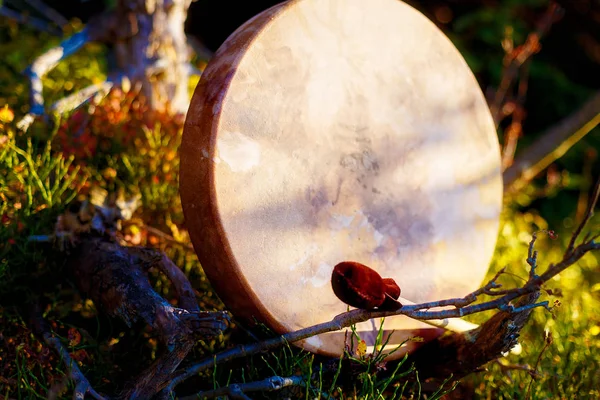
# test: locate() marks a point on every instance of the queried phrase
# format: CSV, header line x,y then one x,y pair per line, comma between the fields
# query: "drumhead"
x,y
332,130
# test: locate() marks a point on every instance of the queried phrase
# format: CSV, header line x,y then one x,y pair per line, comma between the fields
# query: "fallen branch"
x,y
353,317
239,390
41,66
459,354
460,306
115,278
552,144
49,12
80,97
35,23
516,58
41,328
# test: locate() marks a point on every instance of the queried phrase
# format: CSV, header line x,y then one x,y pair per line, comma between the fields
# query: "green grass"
x,y
41,172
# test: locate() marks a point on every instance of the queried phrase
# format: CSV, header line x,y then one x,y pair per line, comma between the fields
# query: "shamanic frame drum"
x,y
332,130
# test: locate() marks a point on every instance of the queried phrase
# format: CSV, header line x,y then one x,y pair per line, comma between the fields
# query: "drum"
x,y
333,130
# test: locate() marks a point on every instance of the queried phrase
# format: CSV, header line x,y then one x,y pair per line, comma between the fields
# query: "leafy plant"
x,y
35,185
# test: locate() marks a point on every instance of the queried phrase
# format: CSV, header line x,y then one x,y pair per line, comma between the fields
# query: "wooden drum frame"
x,y
333,130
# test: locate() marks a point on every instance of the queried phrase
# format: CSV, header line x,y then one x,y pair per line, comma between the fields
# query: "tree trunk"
x,y
151,48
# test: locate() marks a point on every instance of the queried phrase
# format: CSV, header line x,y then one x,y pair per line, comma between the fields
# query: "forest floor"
x,y
116,145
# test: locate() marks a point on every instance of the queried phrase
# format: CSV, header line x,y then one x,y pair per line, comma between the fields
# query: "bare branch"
x,y
552,144
345,320
41,328
450,324
49,12
462,307
533,373
235,390
592,202
41,66
36,23
459,354
519,56
80,97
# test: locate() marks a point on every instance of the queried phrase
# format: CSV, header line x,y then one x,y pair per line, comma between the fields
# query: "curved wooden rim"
x,y
197,180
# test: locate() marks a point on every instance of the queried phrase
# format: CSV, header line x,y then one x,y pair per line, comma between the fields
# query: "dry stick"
x,y
41,66
33,22
457,325
516,58
515,129
461,308
552,144
49,12
238,390
82,385
588,214
167,237
451,324
78,98
516,64
534,373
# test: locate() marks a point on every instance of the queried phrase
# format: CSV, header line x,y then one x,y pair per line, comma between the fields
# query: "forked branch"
x,y
460,306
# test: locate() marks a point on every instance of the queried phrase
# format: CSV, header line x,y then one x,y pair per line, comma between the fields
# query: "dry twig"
x,y
460,306
41,328
41,66
36,23
516,66
533,373
518,57
239,390
552,144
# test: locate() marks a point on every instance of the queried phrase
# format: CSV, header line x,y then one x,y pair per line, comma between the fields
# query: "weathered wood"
x,y
150,48
114,277
151,51
41,328
150,43
459,354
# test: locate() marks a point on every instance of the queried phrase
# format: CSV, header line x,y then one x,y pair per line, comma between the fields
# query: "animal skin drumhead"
x,y
332,130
